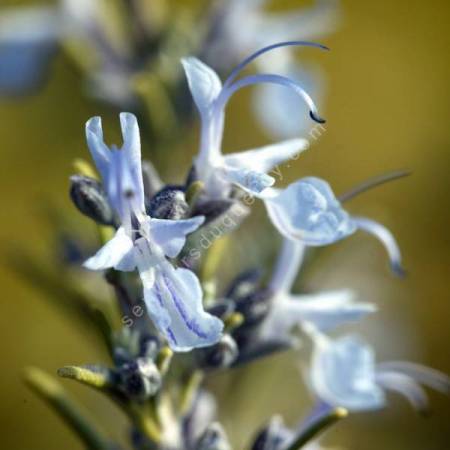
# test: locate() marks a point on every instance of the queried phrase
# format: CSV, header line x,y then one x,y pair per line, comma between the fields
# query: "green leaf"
x,y
55,395
95,376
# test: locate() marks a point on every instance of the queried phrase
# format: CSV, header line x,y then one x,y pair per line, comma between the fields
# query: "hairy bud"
x,y
169,203
90,198
214,438
139,379
220,355
272,437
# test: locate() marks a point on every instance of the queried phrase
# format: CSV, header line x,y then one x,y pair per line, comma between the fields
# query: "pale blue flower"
x,y
27,43
344,373
277,111
247,169
324,310
173,296
308,211
30,36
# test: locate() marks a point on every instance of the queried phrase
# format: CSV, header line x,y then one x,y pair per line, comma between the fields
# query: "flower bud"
x,y
244,284
139,379
90,198
168,203
220,355
222,308
214,438
148,346
272,437
254,307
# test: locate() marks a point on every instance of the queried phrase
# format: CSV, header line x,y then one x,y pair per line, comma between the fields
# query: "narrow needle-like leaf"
x,y
54,394
98,378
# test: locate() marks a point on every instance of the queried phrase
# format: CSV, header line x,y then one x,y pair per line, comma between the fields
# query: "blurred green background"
x,y
388,107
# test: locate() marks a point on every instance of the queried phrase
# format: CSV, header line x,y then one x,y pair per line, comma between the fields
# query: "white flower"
x,y
173,296
277,110
308,211
324,310
344,373
247,169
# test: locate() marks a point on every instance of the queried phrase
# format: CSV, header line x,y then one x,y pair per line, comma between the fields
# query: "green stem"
x,y
54,394
189,391
163,360
318,426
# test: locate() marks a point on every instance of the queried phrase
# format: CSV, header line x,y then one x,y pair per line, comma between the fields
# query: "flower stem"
x,y
316,427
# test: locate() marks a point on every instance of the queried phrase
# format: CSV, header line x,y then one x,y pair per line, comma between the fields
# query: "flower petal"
x,y
132,150
117,253
343,374
27,43
325,311
202,413
175,306
287,267
425,375
99,151
204,84
122,191
308,210
171,234
330,309
264,159
386,238
406,386
249,180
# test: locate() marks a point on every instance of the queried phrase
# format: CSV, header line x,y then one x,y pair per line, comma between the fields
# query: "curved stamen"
x,y
405,386
372,183
386,238
425,375
235,72
271,79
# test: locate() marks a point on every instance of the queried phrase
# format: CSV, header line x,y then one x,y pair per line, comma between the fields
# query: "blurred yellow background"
x,y
388,107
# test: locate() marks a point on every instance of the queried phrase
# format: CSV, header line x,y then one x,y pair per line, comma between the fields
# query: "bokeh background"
x,y
388,107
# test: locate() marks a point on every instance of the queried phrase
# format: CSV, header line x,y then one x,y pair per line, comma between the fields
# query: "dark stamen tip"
x,y
398,270
316,118
129,193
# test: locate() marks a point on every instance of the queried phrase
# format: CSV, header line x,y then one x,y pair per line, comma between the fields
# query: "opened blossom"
x,y
248,169
279,112
324,310
173,296
344,373
308,211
